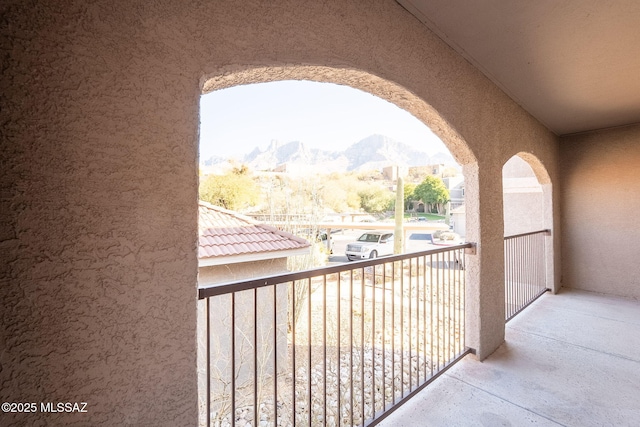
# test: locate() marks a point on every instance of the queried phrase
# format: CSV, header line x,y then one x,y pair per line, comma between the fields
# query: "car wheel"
x,y
374,254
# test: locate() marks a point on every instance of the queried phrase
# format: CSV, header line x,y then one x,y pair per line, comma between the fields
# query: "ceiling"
x,y
572,64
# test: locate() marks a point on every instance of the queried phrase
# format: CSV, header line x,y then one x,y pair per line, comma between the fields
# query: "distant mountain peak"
x,y
373,152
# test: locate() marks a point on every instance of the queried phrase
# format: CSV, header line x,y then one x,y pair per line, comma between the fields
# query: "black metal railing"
x,y
525,270
337,346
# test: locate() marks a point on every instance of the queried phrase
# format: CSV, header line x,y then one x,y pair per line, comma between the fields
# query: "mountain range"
x,y
373,152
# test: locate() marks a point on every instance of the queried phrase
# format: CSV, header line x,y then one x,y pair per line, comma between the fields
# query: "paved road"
x,y
340,241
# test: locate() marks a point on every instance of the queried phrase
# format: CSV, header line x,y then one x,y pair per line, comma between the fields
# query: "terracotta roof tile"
x,y
226,233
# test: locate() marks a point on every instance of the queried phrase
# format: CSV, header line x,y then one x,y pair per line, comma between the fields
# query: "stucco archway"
x,y
528,202
482,336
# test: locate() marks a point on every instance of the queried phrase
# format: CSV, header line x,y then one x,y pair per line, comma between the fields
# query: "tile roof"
x,y
224,233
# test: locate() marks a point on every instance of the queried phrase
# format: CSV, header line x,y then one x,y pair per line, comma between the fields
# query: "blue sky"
x,y
321,115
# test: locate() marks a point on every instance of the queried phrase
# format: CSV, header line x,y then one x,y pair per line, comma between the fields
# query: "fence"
x,y
343,345
525,270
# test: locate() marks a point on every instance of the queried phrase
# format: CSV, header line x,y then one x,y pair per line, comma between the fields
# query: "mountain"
x,y
378,151
373,152
292,152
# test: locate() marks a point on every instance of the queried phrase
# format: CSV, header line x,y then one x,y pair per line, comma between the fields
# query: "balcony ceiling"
x,y
573,64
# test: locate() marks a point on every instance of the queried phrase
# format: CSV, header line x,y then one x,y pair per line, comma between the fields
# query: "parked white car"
x,y
371,244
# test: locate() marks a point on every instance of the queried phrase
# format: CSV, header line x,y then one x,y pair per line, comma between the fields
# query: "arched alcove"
x,y
527,203
364,81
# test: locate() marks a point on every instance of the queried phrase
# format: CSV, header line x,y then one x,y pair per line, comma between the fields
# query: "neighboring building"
x,y
459,220
390,173
455,185
417,173
233,246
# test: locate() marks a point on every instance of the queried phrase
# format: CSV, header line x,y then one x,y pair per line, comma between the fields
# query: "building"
x,y
99,164
232,247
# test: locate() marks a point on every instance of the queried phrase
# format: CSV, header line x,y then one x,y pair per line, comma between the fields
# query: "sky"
x,y
236,120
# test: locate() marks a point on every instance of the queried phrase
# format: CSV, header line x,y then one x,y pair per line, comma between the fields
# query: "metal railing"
x,y
524,269
337,346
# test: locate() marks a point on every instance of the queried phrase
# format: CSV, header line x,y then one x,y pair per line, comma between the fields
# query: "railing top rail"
x,y
546,231
245,284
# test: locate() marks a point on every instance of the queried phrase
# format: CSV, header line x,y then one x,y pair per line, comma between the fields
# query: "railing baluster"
x,y
339,344
431,297
324,348
393,336
275,352
384,337
255,355
374,309
410,325
233,359
424,315
351,346
293,351
208,367
309,408
401,329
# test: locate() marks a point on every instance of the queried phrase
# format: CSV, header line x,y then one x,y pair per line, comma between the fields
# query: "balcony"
x,y
569,359
359,344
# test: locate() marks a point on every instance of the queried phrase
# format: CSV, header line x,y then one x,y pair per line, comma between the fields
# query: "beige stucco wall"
x,y
522,198
99,181
216,274
601,198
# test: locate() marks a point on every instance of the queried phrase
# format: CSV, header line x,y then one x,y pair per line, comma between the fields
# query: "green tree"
x,y
408,195
433,193
235,190
375,199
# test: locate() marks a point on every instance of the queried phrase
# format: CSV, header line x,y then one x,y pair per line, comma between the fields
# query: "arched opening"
x,y
395,95
528,221
389,92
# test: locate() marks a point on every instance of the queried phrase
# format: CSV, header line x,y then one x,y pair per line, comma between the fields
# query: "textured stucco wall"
x,y
601,199
245,270
99,184
522,197
523,212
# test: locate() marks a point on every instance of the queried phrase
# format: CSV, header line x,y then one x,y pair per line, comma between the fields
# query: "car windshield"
x,y
369,237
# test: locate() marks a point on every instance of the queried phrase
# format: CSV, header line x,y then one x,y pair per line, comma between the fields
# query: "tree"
x,y
433,193
408,195
234,190
375,199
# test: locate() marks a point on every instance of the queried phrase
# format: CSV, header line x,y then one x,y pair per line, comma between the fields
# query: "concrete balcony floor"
x,y
571,359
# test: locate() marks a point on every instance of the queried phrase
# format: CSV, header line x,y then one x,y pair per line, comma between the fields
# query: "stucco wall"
x,y
99,182
230,272
523,212
523,198
601,198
